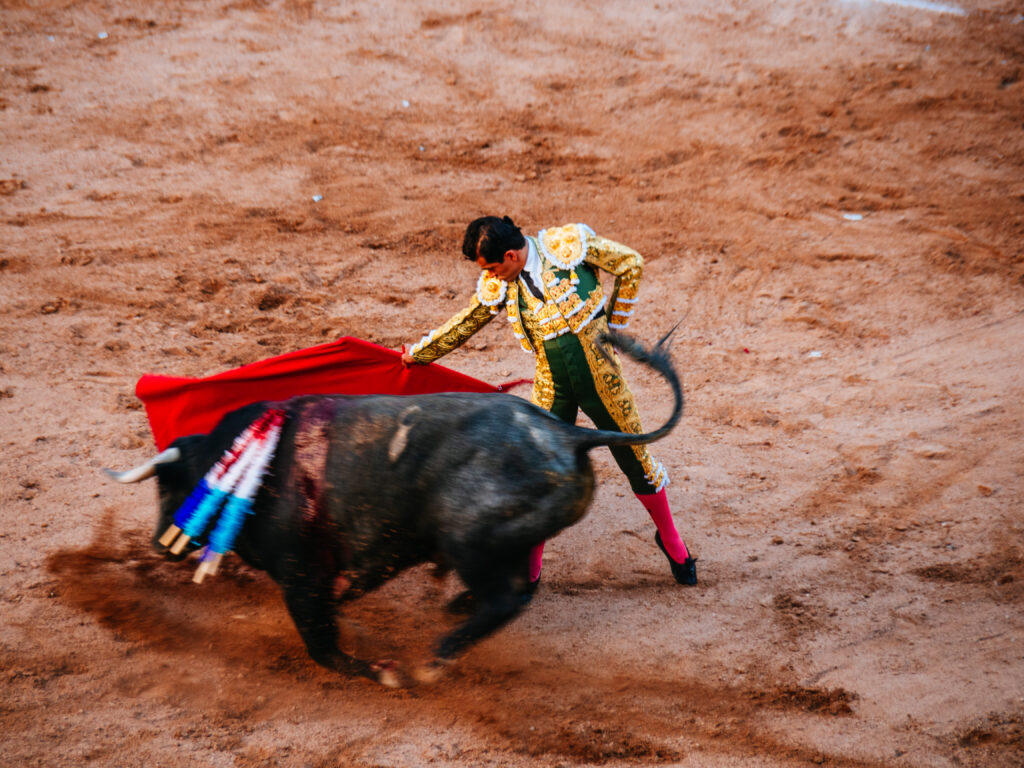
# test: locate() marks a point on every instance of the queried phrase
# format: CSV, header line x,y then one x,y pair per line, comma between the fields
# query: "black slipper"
x,y
684,572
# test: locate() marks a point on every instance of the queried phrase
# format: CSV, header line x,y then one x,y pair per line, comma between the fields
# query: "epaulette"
x,y
565,246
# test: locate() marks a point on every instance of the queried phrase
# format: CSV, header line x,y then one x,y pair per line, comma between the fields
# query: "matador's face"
x,y
508,269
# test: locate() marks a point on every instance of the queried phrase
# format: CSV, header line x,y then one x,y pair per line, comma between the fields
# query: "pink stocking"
x,y
535,554
657,507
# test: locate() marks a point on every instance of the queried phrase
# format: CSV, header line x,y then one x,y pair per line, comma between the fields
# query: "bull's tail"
x,y
657,358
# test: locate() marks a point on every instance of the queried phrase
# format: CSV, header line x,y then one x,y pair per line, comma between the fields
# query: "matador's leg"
x,y
605,396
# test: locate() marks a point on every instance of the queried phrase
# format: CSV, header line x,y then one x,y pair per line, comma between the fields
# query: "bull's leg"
x,y
498,595
493,611
312,606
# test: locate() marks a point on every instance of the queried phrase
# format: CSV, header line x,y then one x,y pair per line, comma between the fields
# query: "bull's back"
x,y
352,472
453,465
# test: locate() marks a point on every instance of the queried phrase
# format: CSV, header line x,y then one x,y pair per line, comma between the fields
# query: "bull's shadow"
x,y
131,591
237,617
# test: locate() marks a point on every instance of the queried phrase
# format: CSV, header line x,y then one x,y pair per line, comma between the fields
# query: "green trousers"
x,y
574,389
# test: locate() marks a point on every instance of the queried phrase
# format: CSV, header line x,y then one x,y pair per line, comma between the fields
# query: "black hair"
x,y
491,237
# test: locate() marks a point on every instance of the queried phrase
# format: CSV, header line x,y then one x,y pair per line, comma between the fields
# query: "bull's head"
x,y
178,472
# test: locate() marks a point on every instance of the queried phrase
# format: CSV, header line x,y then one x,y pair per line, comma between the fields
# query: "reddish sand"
x,y
829,196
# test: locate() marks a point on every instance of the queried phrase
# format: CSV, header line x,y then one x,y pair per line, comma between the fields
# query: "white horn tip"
x,y
133,475
146,470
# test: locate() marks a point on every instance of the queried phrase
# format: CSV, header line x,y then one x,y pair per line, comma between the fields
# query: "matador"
x,y
550,290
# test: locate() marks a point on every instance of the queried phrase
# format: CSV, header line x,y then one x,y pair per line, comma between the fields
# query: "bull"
x,y
363,487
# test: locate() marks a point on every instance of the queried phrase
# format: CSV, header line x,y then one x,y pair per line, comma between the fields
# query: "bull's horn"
x,y
146,470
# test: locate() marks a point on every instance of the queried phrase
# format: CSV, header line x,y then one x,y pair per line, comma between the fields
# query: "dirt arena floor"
x,y
830,198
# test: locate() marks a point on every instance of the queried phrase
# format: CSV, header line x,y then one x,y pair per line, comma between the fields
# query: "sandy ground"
x,y
830,197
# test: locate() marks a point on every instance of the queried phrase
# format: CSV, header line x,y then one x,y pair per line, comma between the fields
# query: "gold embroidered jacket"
x,y
572,302
568,305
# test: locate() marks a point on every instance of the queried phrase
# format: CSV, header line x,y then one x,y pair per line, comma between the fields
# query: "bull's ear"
x,y
147,470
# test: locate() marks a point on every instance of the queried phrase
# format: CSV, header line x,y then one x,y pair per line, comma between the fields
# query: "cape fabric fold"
x,y
178,406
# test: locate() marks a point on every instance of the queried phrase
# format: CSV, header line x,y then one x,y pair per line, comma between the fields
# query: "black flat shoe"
x,y
685,572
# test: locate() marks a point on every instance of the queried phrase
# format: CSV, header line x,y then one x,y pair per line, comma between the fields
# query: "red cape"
x,y
179,406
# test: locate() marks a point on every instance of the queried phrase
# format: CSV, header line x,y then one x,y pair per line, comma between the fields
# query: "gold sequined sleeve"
x,y
627,265
454,333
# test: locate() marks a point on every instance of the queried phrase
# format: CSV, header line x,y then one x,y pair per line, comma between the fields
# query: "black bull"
x,y
363,487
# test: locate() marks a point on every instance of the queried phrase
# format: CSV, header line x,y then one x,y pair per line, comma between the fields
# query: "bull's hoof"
x,y
430,672
388,673
685,573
